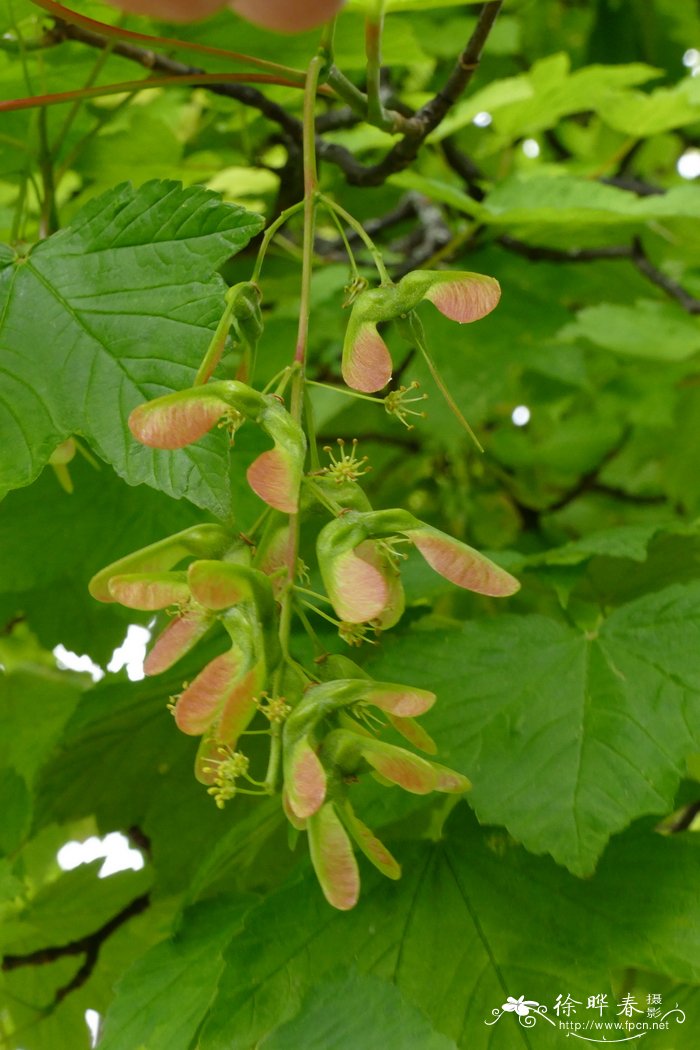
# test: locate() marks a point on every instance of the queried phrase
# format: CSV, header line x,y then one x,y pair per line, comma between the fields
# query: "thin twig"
x,y
248,96
641,260
89,946
48,222
427,118
537,253
635,252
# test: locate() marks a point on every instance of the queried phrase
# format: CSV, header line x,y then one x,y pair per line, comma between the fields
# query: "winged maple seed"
x,y
176,420
324,726
463,297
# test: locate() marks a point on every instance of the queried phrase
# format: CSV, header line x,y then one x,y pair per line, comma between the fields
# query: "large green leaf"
x,y
473,920
575,203
647,329
638,114
163,998
351,1010
113,310
567,735
52,542
35,705
70,907
538,99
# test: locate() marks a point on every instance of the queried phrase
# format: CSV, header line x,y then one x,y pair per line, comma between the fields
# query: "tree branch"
x,y
417,127
427,118
536,253
641,260
635,252
89,946
243,93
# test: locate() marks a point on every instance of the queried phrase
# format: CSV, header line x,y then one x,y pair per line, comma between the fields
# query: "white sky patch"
x,y
531,148
92,1020
520,415
72,662
688,166
118,854
131,653
482,120
691,58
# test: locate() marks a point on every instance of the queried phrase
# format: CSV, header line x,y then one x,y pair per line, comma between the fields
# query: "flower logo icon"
x,y
520,1006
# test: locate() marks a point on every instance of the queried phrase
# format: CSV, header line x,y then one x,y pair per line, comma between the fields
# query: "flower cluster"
x,y
324,723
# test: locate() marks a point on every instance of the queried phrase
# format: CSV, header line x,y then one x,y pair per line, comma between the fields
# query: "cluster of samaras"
x,y
328,720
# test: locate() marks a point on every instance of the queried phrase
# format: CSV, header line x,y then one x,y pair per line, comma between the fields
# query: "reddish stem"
x,y
141,85
116,32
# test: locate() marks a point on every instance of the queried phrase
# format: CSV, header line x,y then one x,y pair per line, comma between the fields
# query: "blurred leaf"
x,y
538,99
638,114
648,329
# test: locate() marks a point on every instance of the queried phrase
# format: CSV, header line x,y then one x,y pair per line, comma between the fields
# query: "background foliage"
x,y
574,707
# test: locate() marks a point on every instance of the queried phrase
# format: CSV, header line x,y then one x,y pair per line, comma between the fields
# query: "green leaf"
x,y
567,736
438,190
52,543
347,1012
70,907
111,296
625,541
16,810
552,201
648,329
163,998
471,922
35,705
538,99
641,115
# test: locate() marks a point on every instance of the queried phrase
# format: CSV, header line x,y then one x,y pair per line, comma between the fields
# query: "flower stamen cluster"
x,y
354,634
396,404
345,467
357,285
275,709
226,771
231,422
